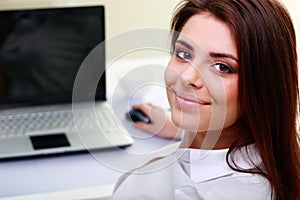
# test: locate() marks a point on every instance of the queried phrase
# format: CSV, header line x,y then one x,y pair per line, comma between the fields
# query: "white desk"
x,y
82,170
64,172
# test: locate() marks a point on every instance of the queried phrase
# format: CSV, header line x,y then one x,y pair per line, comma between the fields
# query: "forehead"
x,y
210,33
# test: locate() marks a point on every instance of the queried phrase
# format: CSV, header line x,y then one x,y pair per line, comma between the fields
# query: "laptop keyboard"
x,y
54,121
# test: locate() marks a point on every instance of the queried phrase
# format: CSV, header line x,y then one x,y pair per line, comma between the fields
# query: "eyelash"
x,y
186,55
228,68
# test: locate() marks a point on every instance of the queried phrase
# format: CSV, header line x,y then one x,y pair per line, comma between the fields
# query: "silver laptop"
x,y
41,51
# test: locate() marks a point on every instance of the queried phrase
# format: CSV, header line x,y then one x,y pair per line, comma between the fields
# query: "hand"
x,y
161,123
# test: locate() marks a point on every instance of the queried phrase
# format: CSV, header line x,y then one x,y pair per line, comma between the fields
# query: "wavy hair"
x,y
267,86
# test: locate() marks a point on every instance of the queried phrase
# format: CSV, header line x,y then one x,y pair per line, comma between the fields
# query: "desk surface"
x,y
65,172
80,170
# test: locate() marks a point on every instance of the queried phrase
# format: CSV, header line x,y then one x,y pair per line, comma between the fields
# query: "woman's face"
x,y
202,76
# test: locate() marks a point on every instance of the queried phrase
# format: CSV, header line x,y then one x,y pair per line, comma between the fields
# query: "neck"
x,y
215,139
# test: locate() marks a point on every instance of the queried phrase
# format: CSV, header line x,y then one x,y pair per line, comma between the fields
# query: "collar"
x,y
207,165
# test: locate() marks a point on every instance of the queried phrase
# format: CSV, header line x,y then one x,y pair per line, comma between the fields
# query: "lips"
x,y
187,101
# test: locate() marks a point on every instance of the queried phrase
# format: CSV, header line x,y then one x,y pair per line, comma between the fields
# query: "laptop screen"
x,y
41,51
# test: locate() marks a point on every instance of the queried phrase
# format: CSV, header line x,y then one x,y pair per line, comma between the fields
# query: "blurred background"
x,y
128,15
121,15
125,15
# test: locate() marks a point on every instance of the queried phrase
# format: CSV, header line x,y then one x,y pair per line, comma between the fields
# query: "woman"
x,y
249,77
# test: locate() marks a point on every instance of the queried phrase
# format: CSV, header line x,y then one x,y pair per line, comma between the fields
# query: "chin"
x,y
189,122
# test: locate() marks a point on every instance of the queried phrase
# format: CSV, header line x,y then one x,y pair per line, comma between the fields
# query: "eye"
x,y
183,54
223,68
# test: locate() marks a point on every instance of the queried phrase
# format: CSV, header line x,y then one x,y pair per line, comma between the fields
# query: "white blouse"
x,y
193,174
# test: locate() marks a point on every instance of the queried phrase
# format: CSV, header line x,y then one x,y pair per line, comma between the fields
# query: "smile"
x,y
189,102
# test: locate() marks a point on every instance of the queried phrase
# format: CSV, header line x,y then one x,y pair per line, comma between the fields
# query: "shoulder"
x,y
216,180
167,178
154,180
235,187
160,185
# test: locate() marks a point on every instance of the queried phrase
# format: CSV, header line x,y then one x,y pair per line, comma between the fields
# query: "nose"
x,y
191,76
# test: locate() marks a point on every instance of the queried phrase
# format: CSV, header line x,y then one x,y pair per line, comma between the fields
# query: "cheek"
x,y
233,111
168,76
171,74
225,110
169,96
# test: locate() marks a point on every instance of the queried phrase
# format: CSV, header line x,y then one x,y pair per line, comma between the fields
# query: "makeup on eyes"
x,y
183,54
223,68
184,50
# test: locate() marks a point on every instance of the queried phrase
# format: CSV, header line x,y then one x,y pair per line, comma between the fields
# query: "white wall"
x,y
122,15
125,15
293,7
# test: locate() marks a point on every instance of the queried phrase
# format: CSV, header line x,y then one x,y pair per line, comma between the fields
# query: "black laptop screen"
x,y
41,51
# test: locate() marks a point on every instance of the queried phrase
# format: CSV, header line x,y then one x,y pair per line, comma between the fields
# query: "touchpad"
x,y
49,141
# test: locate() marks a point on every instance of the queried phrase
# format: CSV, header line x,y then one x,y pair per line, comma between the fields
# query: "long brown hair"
x,y
268,84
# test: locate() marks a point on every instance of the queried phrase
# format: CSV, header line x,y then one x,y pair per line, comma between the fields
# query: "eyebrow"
x,y
223,55
184,43
212,54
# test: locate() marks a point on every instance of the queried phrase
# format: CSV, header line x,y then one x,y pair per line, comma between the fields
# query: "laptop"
x,y
41,52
